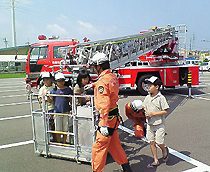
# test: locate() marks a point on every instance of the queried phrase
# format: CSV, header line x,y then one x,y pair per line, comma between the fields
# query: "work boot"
x,y
126,167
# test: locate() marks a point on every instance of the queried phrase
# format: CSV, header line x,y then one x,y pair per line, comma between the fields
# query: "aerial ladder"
x,y
120,50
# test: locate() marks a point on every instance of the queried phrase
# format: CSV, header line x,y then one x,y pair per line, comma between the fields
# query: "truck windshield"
x,y
38,53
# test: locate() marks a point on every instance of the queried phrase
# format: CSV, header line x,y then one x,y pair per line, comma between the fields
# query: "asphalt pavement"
x,y
187,127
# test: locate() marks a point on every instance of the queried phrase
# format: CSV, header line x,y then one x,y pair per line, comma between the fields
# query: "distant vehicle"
x,y
193,62
205,66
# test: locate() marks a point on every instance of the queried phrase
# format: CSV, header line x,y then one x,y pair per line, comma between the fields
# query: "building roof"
x,y
20,50
12,48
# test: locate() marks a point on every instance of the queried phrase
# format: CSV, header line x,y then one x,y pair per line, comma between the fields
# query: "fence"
x,y
11,67
81,132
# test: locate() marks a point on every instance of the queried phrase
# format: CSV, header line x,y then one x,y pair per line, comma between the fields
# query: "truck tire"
x,y
142,88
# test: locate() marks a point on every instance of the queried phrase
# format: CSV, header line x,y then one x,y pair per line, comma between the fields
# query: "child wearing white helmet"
x,y
62,105
46,88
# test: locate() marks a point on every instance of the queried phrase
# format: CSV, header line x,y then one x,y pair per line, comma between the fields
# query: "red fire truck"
x,y
43,56
134,73
133,58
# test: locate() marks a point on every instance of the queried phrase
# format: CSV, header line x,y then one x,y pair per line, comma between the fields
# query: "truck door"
x,y
37,59
170,76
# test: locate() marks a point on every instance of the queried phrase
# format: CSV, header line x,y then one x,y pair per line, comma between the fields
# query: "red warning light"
x,y
42,37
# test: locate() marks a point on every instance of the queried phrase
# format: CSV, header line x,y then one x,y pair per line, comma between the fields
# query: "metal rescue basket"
x,y
81,130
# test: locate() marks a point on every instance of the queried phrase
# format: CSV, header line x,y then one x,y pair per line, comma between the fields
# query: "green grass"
x,y
12,75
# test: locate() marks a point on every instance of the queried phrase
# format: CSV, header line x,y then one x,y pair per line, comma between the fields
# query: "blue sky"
x,y
101,19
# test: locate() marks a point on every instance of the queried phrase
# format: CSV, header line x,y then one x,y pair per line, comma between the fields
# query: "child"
x,y
61,106
82,79
28,88
156,108
46,88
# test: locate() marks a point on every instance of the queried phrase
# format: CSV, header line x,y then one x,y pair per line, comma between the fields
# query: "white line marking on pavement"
x,y
204,94
11,104
14,117
21,95
16,144
201,166
19,103
12,86
9,84
202,98
5,91
193,96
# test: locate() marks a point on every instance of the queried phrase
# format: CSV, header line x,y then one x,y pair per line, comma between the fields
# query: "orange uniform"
x,y
106,91
138,119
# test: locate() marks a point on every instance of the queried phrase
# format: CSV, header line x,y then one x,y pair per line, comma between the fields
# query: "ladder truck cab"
x,y
43,55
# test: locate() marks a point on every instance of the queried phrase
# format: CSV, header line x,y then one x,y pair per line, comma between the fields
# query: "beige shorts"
x,y
62,123
156,133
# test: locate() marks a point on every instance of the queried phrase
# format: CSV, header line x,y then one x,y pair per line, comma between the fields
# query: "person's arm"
x,y
78,91
40,100
103,103
40,95
70,93
50,99
160,113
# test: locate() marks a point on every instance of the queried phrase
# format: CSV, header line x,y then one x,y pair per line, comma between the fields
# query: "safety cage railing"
x,y
81,133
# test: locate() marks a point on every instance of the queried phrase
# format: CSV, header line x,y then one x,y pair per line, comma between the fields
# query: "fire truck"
x,y
133,58
43,55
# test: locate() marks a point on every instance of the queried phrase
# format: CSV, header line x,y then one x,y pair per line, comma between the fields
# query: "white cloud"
x,y
63,19
26,2
87,28
55,29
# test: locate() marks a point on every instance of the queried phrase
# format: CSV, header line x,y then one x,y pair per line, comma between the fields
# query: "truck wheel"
x,y
209,69
142,87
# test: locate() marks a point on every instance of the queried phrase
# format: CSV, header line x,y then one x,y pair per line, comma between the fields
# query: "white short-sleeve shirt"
x,y
43,91
156,104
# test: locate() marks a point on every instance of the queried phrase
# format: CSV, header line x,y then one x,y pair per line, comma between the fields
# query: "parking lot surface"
x,y
187,127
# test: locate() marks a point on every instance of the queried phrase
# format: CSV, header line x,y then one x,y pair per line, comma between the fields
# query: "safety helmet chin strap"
x,y
98,70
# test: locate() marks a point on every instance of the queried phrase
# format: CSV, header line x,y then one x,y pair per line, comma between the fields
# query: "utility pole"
x,y
13,23
190,45
6,42
193,42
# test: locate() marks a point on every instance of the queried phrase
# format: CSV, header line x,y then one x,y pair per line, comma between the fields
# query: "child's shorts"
x,y
61,123
156,133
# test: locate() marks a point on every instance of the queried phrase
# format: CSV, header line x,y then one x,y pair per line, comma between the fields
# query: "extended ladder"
x,y
120,50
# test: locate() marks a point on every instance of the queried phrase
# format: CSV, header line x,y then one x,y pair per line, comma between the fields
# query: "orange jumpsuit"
x,y
138,119
106,96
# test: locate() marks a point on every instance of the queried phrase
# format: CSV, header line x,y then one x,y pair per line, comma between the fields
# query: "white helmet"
x,y
136,105
46,75
98,59
59,77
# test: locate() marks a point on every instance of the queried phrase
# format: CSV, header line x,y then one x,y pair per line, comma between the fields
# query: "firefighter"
x,y
85,39
106,90
135,112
